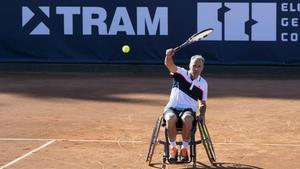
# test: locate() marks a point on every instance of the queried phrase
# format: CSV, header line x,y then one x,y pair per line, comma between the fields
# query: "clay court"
x,y
104,121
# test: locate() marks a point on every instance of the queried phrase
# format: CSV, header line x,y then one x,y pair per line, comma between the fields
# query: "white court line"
x,y
25,139
107,141
136,141
71,140
261,144
25,155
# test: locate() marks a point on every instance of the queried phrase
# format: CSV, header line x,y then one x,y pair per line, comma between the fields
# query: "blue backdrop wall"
x,y
94,31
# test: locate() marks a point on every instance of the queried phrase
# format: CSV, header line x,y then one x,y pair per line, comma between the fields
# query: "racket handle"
x,y
180,47
177,49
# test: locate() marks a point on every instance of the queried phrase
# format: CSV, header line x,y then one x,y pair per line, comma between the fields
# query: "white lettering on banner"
x,y
290,22
144,20
235,26
294,22
88,21
286,37
290,7
284,22
232,21
265,28
121,14
41,28
68,13
96,17
209,10
284,7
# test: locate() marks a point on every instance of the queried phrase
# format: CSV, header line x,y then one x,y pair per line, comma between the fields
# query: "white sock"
x,y
173,144
184,144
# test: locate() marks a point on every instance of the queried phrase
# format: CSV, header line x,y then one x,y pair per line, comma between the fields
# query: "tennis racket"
x,y
194,38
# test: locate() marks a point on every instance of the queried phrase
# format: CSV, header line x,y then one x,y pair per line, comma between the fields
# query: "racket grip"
x,y
181,46
177,49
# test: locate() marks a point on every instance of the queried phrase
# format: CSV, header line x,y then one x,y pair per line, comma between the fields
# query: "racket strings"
x,y
200,35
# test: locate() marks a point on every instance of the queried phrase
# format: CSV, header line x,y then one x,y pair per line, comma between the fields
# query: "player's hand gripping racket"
x,y
194,38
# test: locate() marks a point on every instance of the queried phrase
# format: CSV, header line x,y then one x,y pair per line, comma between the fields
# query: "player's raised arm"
x,y
169,60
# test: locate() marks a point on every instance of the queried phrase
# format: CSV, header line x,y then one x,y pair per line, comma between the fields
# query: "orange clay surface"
x,y
89,121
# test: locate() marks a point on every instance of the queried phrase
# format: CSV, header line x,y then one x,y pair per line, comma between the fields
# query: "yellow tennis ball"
x,y
125,48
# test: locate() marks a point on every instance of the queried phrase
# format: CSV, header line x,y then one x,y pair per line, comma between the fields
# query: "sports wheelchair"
x,y
205,140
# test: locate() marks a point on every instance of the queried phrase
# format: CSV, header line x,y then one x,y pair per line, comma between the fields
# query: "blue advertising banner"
x,y
92,31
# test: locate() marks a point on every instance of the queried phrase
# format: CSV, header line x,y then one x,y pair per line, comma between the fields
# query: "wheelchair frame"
x,y
205,139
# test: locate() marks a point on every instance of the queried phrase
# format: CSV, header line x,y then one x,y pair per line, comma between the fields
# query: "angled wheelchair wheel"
x,y
207,142
193,150
154,139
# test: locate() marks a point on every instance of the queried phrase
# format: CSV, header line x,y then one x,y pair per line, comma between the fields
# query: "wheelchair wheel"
x,y
207,142
154,139
194,155
193,149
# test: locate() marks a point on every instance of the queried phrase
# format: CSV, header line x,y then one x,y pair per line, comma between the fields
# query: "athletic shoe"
x,y
173,155
184,155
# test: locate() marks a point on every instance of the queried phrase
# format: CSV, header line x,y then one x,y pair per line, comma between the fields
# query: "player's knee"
x,y
171,118
188,119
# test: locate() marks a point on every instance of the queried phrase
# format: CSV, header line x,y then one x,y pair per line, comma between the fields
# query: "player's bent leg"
x,y
171,120
187,119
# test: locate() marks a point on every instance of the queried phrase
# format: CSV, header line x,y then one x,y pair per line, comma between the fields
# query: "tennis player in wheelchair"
x,y
189,93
